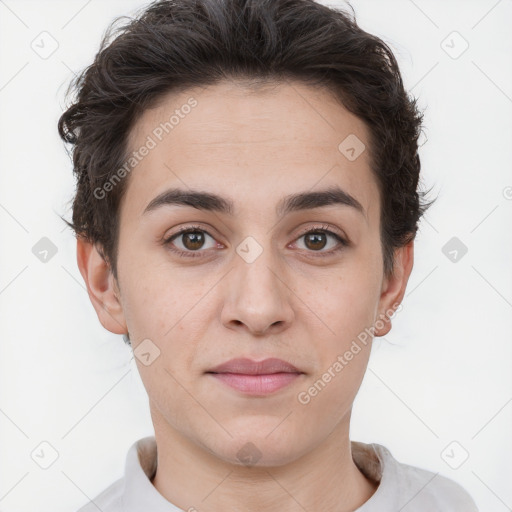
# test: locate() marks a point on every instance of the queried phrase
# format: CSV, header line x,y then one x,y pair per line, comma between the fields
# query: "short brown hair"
x,y
175,44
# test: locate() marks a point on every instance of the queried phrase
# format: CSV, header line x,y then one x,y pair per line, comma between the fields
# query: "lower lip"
x,y
257,384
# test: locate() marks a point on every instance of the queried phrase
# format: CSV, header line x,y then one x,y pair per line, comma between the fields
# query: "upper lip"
x,y
249,367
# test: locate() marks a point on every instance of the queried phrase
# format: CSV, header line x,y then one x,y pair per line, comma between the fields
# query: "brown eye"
x,y
192,240
189,242
315,240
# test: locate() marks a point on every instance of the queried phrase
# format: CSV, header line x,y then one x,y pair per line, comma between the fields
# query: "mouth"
x,y
256,378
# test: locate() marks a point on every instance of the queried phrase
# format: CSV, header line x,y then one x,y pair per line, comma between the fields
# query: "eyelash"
x,y
195,254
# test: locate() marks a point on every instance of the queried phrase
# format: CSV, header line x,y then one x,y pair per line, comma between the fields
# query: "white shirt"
x,y
401,487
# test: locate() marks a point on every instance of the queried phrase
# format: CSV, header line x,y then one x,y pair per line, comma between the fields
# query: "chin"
x,y
258,449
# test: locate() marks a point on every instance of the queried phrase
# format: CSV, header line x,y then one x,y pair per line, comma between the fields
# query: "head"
x,y
247,186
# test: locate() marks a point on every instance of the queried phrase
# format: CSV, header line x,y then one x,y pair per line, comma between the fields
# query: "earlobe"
x,y
394,286
101,286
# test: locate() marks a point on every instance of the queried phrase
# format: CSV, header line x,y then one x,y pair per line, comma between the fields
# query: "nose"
x,y
257,297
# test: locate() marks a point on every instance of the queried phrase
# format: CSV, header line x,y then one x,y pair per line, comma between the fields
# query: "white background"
x,y
443,374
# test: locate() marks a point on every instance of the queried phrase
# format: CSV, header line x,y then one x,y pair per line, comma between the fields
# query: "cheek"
x,y
346,303
169,308
344,354
332,392
151,305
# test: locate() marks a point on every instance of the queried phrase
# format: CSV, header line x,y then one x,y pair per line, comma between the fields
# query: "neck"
x,y
192,477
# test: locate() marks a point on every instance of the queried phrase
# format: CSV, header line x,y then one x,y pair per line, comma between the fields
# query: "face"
x,y
257,274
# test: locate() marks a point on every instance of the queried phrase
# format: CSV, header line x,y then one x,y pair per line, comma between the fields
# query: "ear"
x,y
101,287
393,287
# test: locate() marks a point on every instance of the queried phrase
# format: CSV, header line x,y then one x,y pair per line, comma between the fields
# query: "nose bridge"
x,y
257,266
258,296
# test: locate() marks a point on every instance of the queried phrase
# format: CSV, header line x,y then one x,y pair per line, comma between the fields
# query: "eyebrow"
x,y
295,202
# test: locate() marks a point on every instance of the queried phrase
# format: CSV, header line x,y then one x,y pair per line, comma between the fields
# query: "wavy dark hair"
x,y
172,45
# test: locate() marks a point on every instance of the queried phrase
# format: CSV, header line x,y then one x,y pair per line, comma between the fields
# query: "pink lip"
x,y
256,377
250,367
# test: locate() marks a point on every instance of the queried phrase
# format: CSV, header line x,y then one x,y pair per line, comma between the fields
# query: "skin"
x,y
291,302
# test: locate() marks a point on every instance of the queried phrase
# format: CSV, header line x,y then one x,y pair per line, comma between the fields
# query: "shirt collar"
x,y
139,492
376,463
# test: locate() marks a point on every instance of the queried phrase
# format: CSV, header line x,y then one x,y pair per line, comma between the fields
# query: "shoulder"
x,y
109,500
134,488
420,490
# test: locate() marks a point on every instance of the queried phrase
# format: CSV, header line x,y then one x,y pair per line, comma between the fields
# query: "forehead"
x,y
257,145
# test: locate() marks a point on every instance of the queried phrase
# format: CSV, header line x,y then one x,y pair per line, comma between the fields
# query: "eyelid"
x,y
324,227
184,229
